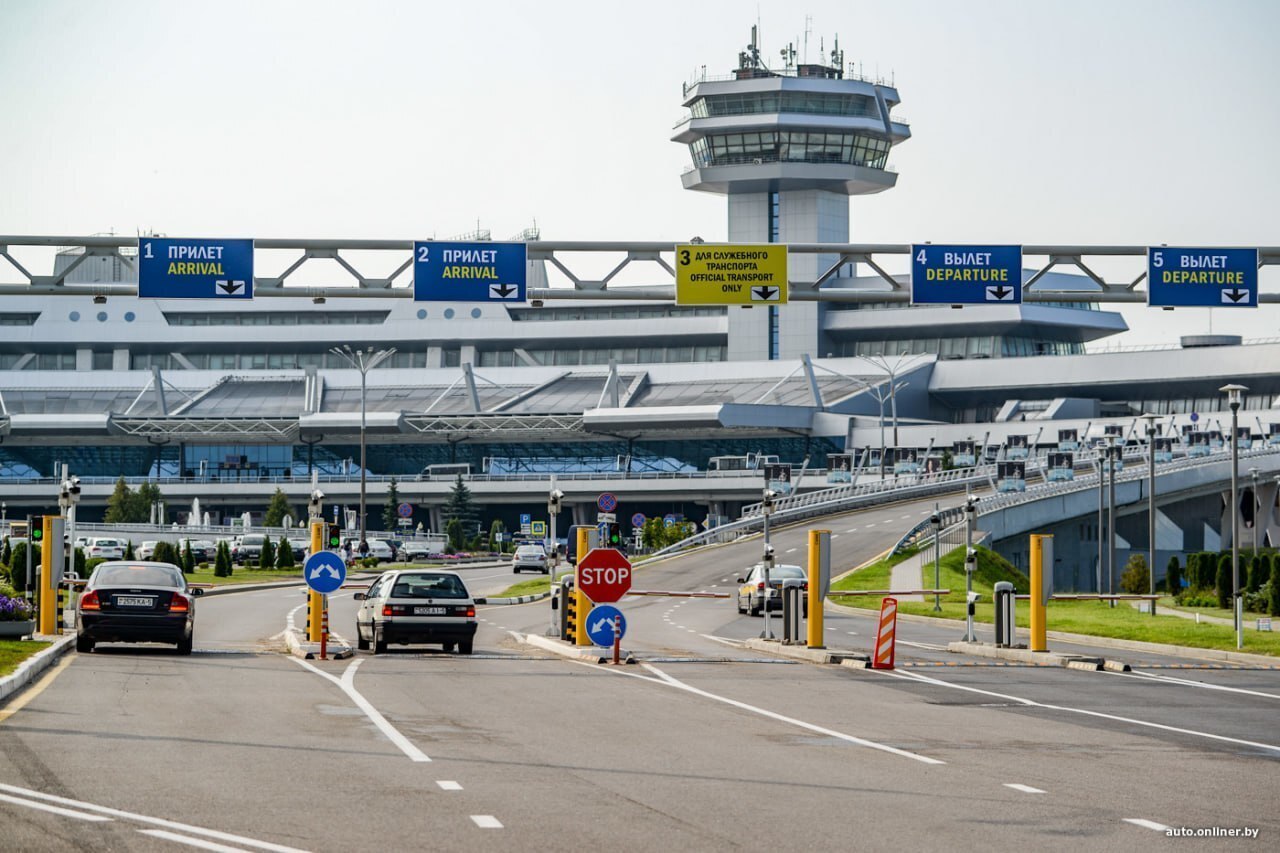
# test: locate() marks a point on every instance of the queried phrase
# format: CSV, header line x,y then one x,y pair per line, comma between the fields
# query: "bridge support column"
x,y
582,513
435,519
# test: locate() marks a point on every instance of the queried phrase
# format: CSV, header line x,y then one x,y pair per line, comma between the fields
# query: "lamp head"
x,y
1234,394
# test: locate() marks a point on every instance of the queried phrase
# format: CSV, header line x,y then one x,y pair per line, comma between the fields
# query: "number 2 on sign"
x,y
422,255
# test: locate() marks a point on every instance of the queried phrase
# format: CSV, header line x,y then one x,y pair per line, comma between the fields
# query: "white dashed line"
x,y
1026,789
852,633
189,841
448,785
852,530
790,551
17,801
871,524
1147,824
486,821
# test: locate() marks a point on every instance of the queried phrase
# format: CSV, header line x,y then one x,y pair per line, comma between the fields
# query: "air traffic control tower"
x,y
788,147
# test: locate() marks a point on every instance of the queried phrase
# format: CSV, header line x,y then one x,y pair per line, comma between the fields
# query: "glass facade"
x,y
622,355
614,312
812,103
263,360
237,461
858,149
982,346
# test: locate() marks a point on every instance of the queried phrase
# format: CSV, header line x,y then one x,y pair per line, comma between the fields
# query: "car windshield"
x,y
137,576
428,586
781,572
106,543
529,551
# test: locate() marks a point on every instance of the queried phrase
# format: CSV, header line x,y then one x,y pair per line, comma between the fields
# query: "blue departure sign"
x,y
170,268
966,275
1210,278
469,272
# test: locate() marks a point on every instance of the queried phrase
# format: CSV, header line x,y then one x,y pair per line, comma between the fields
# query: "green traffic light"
x,y
335,541
37,534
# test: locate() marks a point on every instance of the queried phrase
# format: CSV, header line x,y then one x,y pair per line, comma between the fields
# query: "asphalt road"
x,y
704,745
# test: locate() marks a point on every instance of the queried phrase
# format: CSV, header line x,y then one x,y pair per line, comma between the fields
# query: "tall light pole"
x,y
1111,520
1151,506
1234,395
362,360
1253,472
1102,502
970,563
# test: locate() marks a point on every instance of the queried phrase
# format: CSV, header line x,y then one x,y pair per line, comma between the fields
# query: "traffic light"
x,y
335,539
37,533
613,535
555,501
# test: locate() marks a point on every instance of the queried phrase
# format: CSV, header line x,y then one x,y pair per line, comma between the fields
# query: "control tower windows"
x,y
859,149
811,103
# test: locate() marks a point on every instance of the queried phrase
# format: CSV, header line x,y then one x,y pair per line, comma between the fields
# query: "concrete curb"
x,y
590,654
307,650
804,653
33,666
523,599
985,650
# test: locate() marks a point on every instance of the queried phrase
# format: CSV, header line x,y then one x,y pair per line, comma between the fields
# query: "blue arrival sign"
x,y
1208,278
170,268
600,622
469,272
324,572
965,275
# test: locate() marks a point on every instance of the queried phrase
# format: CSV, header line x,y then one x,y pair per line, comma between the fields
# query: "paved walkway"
x,y
1249,624
906,575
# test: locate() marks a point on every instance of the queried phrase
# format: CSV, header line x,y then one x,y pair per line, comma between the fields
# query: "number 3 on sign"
x,y
684,257
422,255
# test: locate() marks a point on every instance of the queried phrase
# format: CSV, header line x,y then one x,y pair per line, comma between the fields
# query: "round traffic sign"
x,y
601,622
607,502
638,520
604,575
405,510
1195,416
324,572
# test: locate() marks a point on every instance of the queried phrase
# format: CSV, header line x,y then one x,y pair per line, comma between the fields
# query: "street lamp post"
x,y
1102,502
1111,520
1234,394
363,360
936,519
970,563
1151,506
1253,472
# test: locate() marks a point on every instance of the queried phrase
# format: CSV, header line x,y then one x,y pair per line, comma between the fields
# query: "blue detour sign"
x,y
469,272
966,275
601,621
170,268
324,571
1208,278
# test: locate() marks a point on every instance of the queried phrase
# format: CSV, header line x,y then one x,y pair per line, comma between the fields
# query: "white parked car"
x,y
381,550
146,550
107,549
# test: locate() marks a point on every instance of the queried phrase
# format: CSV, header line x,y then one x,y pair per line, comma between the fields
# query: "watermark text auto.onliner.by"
x,y
1212,832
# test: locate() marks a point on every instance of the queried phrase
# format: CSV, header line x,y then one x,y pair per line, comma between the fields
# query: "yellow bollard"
x,y
315,601
819,550
1039,544
51,526
582,604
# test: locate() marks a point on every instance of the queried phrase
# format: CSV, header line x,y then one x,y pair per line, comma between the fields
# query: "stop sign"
x,y
604,575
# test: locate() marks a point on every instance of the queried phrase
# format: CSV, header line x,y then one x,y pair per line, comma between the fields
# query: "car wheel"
x,y
465,647
515,571
84,645
379,642
448,647
361,643
738,602
184,645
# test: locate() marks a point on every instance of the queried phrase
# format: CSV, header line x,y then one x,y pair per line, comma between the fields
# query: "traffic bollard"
x,y
792,607
1006,624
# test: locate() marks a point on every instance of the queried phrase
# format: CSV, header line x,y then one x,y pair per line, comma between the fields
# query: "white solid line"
x,y
486,821
930,646
1169,679
54,809
189,841
737,644
1146,824
776,716
1026,789
155,821
1034,704
790,551
448,785
853,633
871,524
347,685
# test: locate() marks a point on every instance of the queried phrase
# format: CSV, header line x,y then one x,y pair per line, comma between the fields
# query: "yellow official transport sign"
x,y
731,274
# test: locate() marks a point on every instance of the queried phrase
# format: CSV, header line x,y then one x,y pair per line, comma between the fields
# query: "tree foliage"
x,y
1136,578
284,554
188,558
222,565
18,564
1274,604
459,506
166,553
267,558
390,507
277,509
1223,585
453,530
1173,576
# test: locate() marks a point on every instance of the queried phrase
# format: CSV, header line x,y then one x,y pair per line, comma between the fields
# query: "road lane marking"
x,y
791,720
58,810
930,646
449,785
486,821
790,551
155,821
36,689
190,842
737,644
1031,703
347,684
1026,789
852,530
1146,824
1186,682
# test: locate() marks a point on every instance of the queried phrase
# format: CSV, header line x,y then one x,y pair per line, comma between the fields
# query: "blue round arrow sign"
x,y
324,571
600,622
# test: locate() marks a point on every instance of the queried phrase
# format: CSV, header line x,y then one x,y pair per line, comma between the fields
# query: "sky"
x,y
1084,122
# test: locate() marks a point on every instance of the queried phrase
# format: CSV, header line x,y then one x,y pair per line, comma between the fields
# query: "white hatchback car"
x,y
416,606
107,549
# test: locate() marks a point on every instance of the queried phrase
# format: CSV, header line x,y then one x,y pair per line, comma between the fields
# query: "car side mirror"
x,y
358,596
196,591
742,580
479,601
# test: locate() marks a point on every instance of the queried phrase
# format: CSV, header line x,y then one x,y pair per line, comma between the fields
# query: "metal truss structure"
x,y
564,256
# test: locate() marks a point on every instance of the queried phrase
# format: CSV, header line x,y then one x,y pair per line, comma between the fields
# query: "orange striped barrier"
x,y
883,658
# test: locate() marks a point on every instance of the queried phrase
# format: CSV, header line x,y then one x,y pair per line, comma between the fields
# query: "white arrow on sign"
x,y
325,568
602,623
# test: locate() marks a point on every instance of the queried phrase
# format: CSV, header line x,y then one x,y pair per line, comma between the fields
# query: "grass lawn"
x,y
1091,618
533,586
1166,601
14,652
242,574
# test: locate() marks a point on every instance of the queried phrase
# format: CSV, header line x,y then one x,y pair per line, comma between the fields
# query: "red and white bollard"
x,y
883,657
617,639
324,627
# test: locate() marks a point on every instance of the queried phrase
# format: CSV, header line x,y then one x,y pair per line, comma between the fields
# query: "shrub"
x,y
128,550
1136,578
284,554
6,552
1224,582
1257,602
369,562
1257,567
188,558
1273,606
1173,577
267,559
166,553
1191,598
90,565
222,567
203,566
18,577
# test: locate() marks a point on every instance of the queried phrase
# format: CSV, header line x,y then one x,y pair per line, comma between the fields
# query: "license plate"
x,y
134,601
428,611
